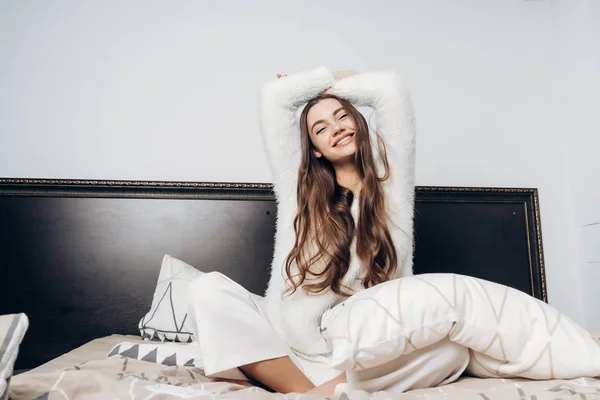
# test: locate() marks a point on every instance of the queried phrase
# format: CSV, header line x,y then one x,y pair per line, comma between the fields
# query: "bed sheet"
x,y
87,373
97,349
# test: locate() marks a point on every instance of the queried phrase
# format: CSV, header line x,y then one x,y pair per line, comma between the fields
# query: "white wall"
x,y
591,164
579,34
160,90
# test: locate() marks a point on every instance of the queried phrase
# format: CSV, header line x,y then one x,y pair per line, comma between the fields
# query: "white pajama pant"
x,y
232,329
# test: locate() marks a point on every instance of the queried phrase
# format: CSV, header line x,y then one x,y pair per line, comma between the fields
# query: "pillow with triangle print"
x,y
169,354
167,319
12,331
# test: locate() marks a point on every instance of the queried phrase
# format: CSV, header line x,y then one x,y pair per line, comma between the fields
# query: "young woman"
x,y
345,216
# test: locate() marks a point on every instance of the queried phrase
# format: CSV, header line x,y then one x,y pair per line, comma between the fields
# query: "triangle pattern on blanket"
x,y
115,350
131,352
171,360
151,357
189,363
159,353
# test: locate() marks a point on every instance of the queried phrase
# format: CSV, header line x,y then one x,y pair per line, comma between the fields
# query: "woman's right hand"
x,y
339,75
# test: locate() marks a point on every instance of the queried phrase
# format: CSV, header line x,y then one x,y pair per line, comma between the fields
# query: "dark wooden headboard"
x,y
81,258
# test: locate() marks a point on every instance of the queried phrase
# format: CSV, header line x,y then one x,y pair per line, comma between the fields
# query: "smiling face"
x,y
332,131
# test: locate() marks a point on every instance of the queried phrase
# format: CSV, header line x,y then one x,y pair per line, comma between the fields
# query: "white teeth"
x,y
344,140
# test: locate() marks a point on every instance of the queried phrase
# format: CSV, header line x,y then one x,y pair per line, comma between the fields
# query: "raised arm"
x,y
280,101
297,316
386,93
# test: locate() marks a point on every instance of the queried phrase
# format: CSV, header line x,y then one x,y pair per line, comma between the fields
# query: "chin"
x,y
349,150
345,156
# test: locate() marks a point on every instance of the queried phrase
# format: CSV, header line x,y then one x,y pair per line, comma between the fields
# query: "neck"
x,y
347,176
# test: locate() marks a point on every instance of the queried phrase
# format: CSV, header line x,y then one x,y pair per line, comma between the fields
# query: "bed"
x,y
82,258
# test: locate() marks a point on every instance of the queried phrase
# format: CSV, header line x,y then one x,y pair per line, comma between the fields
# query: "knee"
x,y
207,286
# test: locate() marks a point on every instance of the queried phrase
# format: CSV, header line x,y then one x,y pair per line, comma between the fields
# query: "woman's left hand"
x,y
339,75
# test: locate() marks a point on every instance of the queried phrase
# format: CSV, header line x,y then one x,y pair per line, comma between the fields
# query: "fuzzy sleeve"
x,y
280,128
387,94
297,316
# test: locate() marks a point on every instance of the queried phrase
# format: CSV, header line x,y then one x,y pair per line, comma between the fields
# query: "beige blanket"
x,y
124,378
86,373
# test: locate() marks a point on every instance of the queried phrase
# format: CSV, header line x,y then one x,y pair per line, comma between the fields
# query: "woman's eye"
x,y
343,116
320,130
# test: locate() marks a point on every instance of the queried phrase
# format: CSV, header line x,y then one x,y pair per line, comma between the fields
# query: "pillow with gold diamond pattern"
x,y
510,333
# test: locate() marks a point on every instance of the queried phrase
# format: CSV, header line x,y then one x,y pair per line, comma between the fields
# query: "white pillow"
x,y
168,319
511,334
12,330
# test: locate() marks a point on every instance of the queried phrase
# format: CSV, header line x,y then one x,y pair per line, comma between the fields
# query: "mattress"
x,y
87,373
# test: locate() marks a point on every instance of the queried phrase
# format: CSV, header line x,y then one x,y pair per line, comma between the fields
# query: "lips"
x,y
343,138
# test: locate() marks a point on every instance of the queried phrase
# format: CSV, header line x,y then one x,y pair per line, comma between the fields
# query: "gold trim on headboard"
x,y
538,225
233,185
473,189
216,185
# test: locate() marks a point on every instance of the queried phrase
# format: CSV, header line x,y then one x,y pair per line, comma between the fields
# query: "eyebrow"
x,y
322,120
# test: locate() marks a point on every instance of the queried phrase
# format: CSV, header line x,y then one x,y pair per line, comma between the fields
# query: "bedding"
x,y
174,354
87,373
126,378
510,333
96,349
151,218
12,330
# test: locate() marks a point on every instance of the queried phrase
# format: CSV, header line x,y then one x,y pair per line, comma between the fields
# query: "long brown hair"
x,y
324,221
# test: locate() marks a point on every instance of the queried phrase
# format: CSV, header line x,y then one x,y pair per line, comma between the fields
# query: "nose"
x,y
338,128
